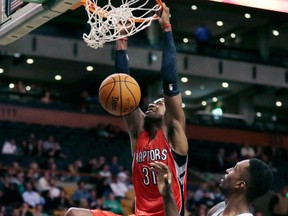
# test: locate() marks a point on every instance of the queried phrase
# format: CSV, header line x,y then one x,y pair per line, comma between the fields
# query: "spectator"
x,y
218,163
118,187
101,162
105,173
203,36
25,211
34,171
9,189
43,184
80,193
20,87
38,211
93,199
39,148
48,144
10,147
52,148
62,202
92,166
19,182
114,165
30,196
54,191
105,180
112,204
46,98
247,152
24,148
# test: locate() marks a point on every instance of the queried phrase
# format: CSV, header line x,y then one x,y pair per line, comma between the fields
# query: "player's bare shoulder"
x,y
216,208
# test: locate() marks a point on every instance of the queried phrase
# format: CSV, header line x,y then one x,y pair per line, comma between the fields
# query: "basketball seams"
x,y
116,81
120,90
112,89
130,90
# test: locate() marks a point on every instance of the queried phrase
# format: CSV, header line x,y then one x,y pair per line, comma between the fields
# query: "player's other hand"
x,y
165,16
164,178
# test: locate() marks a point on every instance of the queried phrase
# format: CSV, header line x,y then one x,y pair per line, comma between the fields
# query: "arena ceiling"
x,y
254,34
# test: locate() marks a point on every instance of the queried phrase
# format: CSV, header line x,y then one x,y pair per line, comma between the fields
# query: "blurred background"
x,y
232,64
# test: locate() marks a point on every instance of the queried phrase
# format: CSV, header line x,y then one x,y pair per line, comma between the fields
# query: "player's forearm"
x,y
170,207
121,44
169,64
121,57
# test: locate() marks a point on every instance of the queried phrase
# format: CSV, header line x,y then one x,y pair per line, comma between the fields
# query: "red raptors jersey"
x,y
148,198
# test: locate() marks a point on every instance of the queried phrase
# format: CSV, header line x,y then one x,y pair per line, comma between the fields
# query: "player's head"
x,y
154,113
251,178
156,109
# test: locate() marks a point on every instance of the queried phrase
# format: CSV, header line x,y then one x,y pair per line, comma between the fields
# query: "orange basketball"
x,y
119,94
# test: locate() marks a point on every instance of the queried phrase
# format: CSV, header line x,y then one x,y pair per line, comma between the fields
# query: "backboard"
x,y
18,17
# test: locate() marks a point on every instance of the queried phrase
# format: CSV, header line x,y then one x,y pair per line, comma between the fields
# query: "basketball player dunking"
x,y
156,135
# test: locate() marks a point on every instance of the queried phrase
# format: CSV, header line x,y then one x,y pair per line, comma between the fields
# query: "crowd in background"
x,y
102,181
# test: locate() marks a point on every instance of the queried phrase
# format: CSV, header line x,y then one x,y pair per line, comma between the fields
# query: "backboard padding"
x,y
29,17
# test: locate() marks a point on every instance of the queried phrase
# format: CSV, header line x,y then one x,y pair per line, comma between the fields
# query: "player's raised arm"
x,y
122,66
174,115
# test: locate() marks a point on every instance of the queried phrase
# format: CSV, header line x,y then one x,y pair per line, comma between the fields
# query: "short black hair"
x,y
260,179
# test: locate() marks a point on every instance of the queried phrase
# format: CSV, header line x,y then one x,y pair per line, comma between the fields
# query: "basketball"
x,y
119,94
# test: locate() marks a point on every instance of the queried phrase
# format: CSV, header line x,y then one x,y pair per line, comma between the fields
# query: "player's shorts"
x,y
98,212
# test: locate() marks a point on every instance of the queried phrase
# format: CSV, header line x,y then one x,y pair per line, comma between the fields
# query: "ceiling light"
x,y
214,99
153,57
185,40
89,68
232,35
11,85
1,70
247,15
219,23
278,103
184,79
30,61
222,40
259,114
188,92
183,105
225,85
204,103
275,32
194,7
28,88
17,55
58,77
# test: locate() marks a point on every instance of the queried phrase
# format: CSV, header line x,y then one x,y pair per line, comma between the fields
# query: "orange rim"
x,y
103,13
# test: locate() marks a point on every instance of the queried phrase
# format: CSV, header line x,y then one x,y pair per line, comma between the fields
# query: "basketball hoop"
x,y
105,21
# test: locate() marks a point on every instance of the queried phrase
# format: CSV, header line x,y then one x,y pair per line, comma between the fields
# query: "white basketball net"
x,y
105,21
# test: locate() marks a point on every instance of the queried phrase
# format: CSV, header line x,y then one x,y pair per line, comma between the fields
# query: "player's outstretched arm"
x,y
174,115
164,179
132,120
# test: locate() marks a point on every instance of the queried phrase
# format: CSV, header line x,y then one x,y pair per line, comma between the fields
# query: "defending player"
x,y
241,185
156,135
